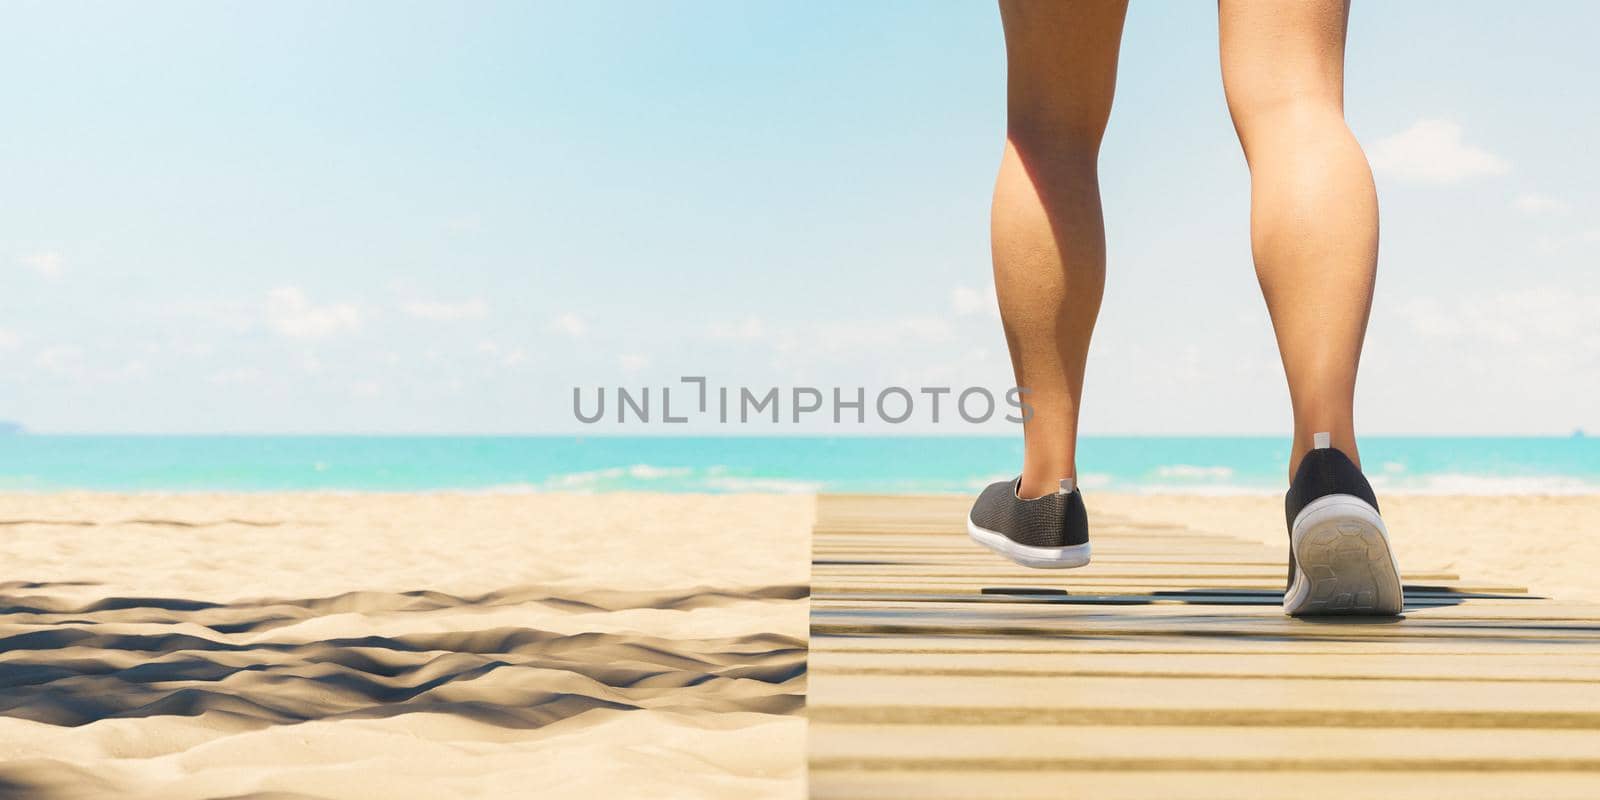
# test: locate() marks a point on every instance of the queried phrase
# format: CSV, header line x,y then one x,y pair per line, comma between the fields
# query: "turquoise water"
x,y
712,464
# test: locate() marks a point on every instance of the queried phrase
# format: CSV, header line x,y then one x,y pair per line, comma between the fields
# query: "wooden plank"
x,y
824,585
1159,646
1221,697
1583,668
911,563
872,784
1167,669
1565,619
1225,595
963,569
959,546
831,622
1035,747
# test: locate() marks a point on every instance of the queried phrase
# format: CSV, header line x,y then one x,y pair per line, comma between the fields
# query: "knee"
x,y
1290,115
1058,139
1267,106
1057,114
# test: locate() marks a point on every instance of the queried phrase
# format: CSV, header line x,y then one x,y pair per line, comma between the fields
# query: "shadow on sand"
x,y
71,665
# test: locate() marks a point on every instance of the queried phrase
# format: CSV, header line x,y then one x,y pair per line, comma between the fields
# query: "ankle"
x,y
1304,442
1043,483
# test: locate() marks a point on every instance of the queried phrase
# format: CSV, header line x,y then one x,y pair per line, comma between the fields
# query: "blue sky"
x,y
380,217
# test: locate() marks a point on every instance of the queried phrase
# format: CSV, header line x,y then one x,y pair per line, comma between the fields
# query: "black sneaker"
x,y
1050,532
1339,558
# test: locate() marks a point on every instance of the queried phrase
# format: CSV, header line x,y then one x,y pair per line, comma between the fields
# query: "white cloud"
x,y
881,334
9,340
236,376
1544,317
45,262
897,349
1578,244
129,370
1497,358
570,325
475,308
749,329
1428,317
509,357
1536,204
632,362
193,349
63,359
1432,151
967,301
291,314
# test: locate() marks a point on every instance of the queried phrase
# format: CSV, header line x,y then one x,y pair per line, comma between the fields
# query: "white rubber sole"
x,y
1343,564
1027,555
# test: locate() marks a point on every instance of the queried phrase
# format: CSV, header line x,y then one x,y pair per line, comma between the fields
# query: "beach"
x,y
498,645
403,645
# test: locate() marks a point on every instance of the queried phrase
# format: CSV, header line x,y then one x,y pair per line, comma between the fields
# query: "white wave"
x,y
1191,472
637,472
582,480
645,472
630,478
773,485
1088,480
499,488
1094,480
1460,483
1392,484
979,484
1203,489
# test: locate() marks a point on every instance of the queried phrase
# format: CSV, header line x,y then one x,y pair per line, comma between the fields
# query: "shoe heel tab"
x,y
1322,460
1323,451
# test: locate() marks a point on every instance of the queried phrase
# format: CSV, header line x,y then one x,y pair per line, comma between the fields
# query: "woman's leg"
x,y
1313,209
1048,236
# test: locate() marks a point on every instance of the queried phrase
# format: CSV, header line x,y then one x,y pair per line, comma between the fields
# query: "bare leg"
x,y
1313,208
1048,236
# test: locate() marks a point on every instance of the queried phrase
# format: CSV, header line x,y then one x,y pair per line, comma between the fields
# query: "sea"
x,y
899,464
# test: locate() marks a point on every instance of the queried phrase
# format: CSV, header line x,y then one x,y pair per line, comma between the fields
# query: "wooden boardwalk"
x,y
1166,669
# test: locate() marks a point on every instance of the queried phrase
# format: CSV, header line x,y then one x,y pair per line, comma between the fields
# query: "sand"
x,y
1547,544
440,645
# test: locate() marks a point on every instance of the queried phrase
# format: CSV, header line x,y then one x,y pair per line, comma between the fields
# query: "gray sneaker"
x,y
1050,532
1339,556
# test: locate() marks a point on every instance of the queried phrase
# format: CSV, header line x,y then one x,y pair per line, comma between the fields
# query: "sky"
x,y
442,218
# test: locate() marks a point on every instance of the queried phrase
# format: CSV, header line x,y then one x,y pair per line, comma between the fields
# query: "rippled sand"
x,y
447,645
